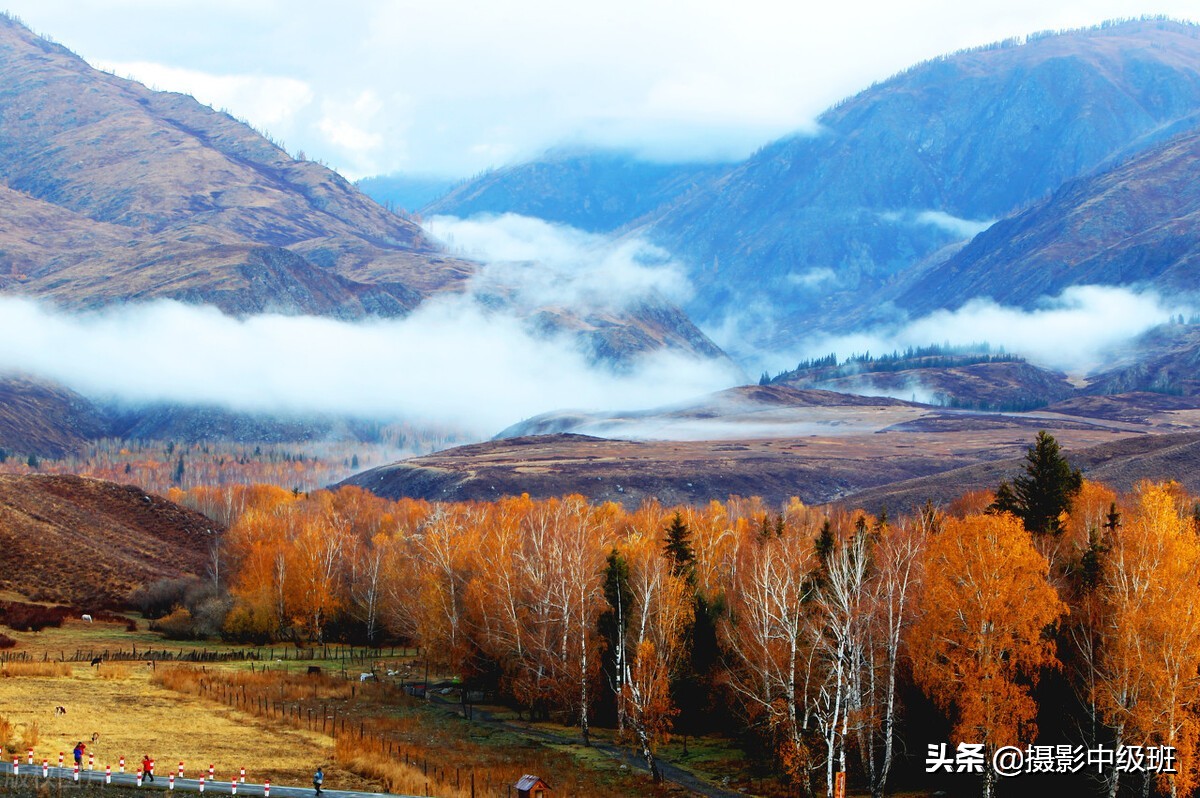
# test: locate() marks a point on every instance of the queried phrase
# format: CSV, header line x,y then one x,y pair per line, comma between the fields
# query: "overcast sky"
x,y
451,87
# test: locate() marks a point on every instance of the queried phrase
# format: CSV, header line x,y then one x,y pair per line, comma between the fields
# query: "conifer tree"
x,y
1045,491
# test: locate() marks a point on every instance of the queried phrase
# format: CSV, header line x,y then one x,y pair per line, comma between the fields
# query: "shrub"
x,y
176,626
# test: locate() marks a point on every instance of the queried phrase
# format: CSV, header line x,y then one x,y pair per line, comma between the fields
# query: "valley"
x,y
439,481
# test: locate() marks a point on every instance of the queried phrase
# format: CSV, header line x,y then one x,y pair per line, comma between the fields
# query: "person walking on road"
x,y
318,780
147,768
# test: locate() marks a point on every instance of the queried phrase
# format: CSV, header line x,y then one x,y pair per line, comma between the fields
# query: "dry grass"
x,y
31,736
110,671
35,669
134,717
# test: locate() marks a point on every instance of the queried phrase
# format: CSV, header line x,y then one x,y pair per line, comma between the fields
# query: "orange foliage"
x,y
980,642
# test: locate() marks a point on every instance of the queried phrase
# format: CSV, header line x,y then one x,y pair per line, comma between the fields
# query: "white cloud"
x,y
813,278
963,228
449,362
551,264
1071,332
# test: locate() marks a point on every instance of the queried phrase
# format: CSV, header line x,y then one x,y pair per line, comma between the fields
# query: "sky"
x,y
454,87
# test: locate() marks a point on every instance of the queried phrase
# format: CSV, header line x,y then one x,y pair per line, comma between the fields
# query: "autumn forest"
x,y
1049,610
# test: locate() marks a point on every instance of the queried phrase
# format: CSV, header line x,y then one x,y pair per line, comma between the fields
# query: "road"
x,y
670,772
161,782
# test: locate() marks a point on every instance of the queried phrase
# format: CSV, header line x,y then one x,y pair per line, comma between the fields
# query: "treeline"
x,y
1050,600
920,357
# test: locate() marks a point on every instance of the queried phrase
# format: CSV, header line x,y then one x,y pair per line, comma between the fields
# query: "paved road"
x,y
161,782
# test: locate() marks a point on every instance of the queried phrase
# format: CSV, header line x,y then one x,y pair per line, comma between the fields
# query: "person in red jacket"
x,y
147,768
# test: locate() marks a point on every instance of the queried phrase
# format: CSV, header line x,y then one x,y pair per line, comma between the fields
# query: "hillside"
x,y
768,441
111,192
594,190
1134,224
114,191
920,162
88,542
949,377
1120,465
46,420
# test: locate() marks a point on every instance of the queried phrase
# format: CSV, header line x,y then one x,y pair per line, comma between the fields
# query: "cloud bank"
x,y
541,263
1071,332
450,362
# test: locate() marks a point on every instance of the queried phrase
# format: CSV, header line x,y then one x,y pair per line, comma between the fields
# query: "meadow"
x,y
272,718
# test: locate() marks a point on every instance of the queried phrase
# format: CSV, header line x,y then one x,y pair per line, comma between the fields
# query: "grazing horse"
x,y
60,711
95,737
96,661
87,618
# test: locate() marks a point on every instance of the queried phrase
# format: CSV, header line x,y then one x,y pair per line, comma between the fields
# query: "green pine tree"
x,y
1045,491
677,546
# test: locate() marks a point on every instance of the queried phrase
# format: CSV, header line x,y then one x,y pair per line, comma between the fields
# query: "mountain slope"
x,y
1134,224
594,190
160,196
89,542
813,223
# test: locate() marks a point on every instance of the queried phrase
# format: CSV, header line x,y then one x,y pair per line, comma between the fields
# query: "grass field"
x,y
134,717
410,746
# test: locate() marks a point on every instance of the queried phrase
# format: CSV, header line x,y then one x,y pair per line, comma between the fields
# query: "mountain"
x,y
111,192
89,542
405,192
593,190
805,233
1133,224
47,420
115,192
1165,360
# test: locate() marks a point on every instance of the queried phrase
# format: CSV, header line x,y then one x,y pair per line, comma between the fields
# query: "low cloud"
x,y
539,263
450,362
954,225
1071,332
813,278
963,228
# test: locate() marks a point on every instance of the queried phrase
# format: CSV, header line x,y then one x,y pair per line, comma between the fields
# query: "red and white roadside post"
x,y
181,770
122,763
108,774
45,768
243,778
60,759
16,765
233,787
91,761
170,781
151,767
201,782
30,752
139,777
212,772
75,775
267,789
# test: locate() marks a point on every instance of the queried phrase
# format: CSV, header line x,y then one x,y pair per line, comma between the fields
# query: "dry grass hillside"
x,y
88,542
